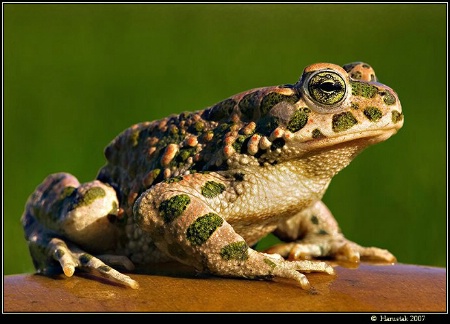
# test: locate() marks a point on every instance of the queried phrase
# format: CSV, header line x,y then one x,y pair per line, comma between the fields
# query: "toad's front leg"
x,y
183,223
314,232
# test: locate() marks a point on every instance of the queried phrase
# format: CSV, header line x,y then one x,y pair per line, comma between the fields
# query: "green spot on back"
x,y
134,138
266,125
354,105
270,263
238,145
89,196
298,120
174,179
343,121
388,98
248,104
221,110
316,133
373,114
173,207
114,208
85,258
199,126
396,116
203,227
235,251
356,75
104,268
67,192
212,189
185,153
363,89
59,253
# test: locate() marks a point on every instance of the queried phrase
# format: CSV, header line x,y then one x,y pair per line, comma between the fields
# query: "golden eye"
x,y
327,88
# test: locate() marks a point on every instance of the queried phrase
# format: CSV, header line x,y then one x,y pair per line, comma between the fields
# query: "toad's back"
x,y
150,152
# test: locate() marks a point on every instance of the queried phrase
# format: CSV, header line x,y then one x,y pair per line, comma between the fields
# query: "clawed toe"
x,y
73,257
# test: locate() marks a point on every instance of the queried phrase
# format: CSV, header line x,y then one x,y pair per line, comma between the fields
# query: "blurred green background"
x,y
75,75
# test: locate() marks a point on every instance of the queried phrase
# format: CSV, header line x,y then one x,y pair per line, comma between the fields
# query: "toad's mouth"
x,y
325,151
357,140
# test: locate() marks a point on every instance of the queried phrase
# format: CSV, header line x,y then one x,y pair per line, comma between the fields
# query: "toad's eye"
x,y
327,88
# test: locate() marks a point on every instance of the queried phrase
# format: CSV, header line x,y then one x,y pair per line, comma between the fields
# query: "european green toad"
x,y
202,188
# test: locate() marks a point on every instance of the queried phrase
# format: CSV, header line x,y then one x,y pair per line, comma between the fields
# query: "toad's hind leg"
x,y
61,216
180,218
314,233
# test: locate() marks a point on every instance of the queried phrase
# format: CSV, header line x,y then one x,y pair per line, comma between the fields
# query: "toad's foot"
x,y
314,233
290,269
336,248
73,258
